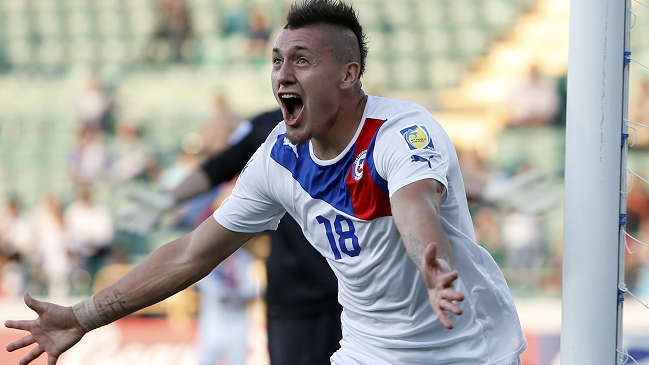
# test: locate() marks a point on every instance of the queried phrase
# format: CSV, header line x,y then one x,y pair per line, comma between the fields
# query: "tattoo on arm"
x,y
120,301
415,250
112,304
104,311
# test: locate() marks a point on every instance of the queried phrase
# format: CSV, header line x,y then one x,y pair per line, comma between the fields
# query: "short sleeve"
x,y
250,208
411,147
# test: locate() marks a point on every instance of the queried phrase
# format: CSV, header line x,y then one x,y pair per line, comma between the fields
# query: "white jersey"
x,y
343,207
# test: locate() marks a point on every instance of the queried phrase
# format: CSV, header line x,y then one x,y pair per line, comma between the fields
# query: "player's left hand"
x,y
439,279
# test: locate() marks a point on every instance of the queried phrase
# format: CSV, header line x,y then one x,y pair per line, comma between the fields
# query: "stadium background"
x,y
461,59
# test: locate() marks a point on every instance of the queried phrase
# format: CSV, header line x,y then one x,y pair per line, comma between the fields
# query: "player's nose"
x,y
285,74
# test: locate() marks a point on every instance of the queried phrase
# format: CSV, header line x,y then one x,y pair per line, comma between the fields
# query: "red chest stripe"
x,y
368,200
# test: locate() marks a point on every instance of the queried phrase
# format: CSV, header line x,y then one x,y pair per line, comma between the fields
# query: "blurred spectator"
x,y
640,271
524,233
130,156
508,216
95,105
258,33
475,172
16,249
637,209
89,157
90,229
639,113
172,27
521,192
222,318
523,239
562,93
174,174
52,240
487,231
534,102
218,127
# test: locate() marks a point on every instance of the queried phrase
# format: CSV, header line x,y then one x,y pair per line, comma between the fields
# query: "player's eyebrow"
x,y
294,49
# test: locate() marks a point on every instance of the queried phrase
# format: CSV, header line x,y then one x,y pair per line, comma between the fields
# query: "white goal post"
x,y
595,176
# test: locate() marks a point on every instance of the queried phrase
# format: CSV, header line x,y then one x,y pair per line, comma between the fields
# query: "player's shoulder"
x,y
395,111
399,116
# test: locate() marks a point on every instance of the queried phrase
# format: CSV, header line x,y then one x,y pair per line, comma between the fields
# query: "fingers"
x,y
441,310
441,291
31,356
19,325
18,344
452,295
443,298
449,306
35,305
448,278
430,254
51,360
433,260
444,320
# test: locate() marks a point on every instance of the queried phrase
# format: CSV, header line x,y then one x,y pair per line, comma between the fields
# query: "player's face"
x,y
305,80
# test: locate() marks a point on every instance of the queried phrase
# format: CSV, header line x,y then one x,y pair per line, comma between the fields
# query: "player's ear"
x,y
351,73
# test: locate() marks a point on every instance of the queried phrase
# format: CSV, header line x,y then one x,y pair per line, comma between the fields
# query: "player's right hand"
x,y
54,331
141,218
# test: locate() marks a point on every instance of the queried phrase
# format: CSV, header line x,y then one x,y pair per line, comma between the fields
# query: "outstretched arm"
x,y
168,270
416,212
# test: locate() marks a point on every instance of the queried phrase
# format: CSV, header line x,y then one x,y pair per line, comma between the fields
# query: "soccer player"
x,y
376,187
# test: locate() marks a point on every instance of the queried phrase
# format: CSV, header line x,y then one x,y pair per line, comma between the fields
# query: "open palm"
x,y
439,279
54,331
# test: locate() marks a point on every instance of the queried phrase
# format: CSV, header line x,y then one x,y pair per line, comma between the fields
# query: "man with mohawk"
x,y
414,286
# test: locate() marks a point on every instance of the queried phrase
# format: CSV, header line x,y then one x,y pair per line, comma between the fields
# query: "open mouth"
x,y
293,106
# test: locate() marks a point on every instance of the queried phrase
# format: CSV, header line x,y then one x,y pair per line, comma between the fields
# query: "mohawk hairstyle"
x,y
330,12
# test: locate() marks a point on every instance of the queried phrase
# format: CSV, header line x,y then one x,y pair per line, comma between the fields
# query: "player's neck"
x,y
343,130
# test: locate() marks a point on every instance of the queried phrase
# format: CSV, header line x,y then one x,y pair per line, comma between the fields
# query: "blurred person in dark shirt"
x,y
173,26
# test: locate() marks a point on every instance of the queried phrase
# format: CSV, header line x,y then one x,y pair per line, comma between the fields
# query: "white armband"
x,y
87,315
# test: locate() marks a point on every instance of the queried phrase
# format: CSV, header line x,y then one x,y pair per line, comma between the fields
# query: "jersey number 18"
x,y
343,236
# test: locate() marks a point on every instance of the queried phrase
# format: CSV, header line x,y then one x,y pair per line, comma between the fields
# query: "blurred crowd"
x,y
57,247
172,41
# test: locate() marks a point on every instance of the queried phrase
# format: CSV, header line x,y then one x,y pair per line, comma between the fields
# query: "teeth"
x,y
290,96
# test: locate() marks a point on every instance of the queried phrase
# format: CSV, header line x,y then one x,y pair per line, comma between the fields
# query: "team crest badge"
x,y
417,137
357,169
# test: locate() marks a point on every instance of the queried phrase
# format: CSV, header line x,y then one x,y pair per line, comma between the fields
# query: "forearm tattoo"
x,y
110,306
415,250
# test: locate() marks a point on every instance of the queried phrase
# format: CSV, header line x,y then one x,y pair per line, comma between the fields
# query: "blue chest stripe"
x,y
380,182
326,183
